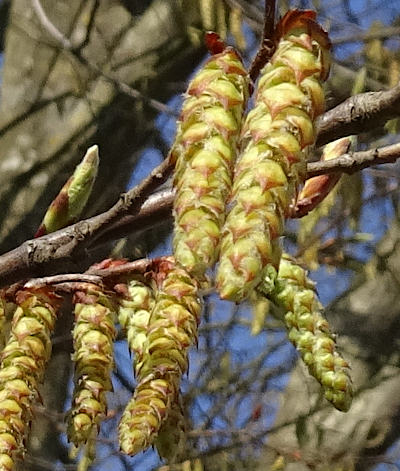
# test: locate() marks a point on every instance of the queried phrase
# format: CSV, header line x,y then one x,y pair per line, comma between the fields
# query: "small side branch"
x,y
359,113
267,46
355,161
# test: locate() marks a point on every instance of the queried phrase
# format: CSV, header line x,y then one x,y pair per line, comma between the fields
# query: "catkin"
x,y
93,336
23,362
310,333
134,312
172,330
274,137
205,150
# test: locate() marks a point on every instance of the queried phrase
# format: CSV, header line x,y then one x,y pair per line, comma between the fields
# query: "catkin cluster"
x,y
172,330
310,333
93,337
23,362
272,161
205,151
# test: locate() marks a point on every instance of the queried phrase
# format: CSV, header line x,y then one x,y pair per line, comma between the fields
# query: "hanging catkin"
x,y
23,362
274,137
205,150
172,330
310,333
93,337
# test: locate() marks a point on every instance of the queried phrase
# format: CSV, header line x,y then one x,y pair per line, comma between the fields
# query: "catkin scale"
x,y
205,151
310,333
172,330
272,161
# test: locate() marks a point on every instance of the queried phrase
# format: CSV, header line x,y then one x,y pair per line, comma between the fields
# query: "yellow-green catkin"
x,y
205,150
23,361
172,330
310,333
136,301
93,337
274,138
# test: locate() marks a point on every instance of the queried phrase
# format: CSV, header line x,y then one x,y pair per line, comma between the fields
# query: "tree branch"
x,y
354,161
59,251
358,113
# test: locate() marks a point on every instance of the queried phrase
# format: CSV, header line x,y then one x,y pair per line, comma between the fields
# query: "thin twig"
x,y
354,161
57,279
267,45
53,31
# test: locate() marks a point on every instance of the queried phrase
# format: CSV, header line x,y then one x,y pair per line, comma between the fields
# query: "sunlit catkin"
x,y
172,330
93,336
136,302
205,150
274,137
23,362
310,333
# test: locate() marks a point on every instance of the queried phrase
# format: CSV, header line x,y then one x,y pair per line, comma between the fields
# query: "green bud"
x,y
70,202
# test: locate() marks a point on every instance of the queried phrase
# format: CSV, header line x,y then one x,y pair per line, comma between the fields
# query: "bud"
x,y
93,337
310,333
205,152
68,205
273,142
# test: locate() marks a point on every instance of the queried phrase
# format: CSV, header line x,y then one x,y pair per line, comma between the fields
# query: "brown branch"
x,y
354,161
59,251
69,282
267,46
57,279
358,113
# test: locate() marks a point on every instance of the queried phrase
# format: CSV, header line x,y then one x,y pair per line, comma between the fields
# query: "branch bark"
x,y
137,211
359,113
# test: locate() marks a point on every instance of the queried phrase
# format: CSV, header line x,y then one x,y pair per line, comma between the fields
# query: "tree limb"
x,y
355,161
59,251
359,113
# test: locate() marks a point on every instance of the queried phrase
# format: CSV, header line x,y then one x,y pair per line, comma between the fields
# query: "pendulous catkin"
x,y
93,337
273,140
205,151
136,301
310,333
23,362
172,330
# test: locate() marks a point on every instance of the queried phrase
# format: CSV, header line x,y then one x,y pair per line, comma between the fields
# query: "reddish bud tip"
x,y
214,43
41,231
